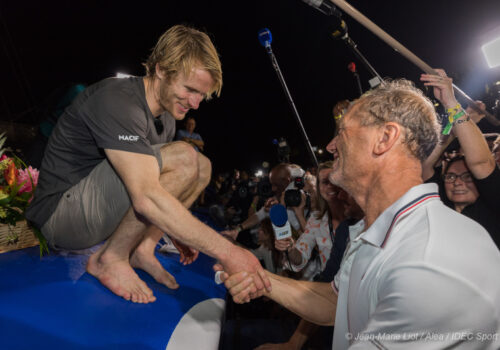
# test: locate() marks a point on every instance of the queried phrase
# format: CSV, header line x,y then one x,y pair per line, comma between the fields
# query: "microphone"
x,y
352,67
279,220
265,38
324,6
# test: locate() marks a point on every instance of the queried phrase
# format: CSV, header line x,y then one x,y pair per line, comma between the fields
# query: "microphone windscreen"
x,y
265,37
313,3
278,215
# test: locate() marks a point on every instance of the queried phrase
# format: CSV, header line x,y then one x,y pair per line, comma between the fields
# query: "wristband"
x,y
239,228
451,121
454,110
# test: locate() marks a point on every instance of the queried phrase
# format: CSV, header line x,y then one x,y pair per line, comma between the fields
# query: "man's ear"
x,y
160,74
388,135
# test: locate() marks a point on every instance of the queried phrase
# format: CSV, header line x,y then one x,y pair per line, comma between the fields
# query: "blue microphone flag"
x,y
265,37
278,215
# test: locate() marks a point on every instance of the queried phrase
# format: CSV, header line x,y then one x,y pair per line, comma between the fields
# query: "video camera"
x,y
283,150
293,192
264,188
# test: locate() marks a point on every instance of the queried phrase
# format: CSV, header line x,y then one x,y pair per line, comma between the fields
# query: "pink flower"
x,y
23,176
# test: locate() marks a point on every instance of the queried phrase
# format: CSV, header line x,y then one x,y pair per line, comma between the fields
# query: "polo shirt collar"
x,y
356,229
380,230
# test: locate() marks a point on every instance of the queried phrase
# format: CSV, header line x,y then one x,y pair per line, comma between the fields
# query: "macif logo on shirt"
x,y
133,138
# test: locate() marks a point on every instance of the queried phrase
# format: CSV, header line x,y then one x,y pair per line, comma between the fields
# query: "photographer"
x,y
281,178
320,228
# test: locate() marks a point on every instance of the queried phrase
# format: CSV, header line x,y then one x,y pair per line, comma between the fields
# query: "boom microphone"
x,y
324,6
265,38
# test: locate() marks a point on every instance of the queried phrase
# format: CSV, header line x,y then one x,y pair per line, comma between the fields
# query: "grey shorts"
x,y
90,211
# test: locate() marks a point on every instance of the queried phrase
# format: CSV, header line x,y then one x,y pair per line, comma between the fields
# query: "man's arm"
x,y
314,301
140,174
252,220
198,143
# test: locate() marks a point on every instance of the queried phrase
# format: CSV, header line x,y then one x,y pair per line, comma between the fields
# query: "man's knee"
x,y
182,158
205,169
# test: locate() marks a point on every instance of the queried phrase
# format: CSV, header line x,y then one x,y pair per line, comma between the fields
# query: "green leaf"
x,y
5,201
43,242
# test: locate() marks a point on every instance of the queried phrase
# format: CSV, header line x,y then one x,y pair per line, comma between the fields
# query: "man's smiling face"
x,y
180,94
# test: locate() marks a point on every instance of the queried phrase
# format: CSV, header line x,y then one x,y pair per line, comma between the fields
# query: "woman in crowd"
x,y
320,228
477,199
472,182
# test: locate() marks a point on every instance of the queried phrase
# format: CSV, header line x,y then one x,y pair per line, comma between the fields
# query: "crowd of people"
x,y
464,165
398,234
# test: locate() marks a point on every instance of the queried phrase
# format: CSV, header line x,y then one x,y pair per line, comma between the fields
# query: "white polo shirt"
x,y
423,277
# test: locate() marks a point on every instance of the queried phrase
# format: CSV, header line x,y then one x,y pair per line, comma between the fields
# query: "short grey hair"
x,y
401,102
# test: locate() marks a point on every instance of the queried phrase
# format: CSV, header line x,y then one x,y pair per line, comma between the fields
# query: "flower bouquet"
x,y
17,185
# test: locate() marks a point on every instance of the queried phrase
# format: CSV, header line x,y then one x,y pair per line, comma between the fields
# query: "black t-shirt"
x,y
111,114
485,209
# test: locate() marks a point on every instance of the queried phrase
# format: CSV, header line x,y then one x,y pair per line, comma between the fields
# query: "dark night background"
x,y
45,45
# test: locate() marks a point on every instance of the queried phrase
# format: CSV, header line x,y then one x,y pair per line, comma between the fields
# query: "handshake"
x,y
243,286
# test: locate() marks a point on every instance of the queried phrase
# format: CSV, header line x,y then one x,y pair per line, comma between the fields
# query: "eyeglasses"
x,y
451,177
158,126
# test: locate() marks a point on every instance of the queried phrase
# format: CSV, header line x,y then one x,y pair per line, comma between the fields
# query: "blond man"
x,y
110,172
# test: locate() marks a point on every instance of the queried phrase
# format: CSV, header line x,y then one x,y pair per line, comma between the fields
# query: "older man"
x,y
404,282
108,173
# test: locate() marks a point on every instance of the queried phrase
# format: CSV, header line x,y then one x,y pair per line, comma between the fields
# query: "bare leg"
x,y
111,265
143,256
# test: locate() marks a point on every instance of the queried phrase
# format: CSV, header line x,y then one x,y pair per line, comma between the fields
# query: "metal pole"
x,y
276,67
352,45
366,22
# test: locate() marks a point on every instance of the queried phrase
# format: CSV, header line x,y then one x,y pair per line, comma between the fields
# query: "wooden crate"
x,y
16,237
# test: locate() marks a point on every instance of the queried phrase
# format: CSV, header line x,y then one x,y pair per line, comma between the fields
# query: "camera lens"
x,y
292,198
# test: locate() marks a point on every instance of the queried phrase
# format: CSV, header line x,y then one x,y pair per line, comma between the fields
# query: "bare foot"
x,y
119,277
143,259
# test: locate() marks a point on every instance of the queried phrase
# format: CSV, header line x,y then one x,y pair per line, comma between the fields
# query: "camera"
x,y
283,150
262,188
293,192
